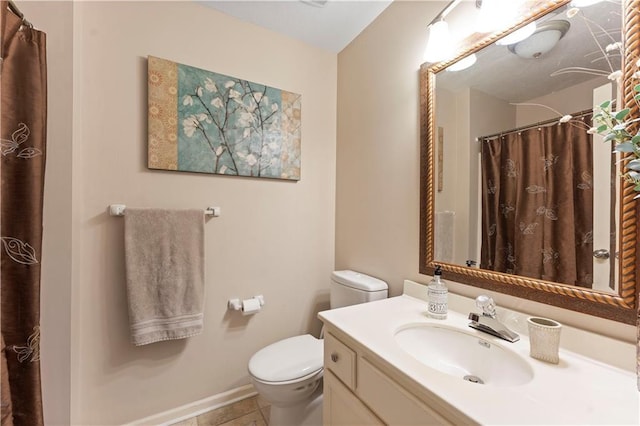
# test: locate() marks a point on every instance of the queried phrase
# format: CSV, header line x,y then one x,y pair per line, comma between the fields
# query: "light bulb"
x,y
463,64
439,45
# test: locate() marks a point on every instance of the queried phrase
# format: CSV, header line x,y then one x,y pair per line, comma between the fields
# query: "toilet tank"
x,y
350,288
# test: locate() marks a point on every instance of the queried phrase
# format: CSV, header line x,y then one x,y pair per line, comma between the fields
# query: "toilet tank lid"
x,y
287,359
358,280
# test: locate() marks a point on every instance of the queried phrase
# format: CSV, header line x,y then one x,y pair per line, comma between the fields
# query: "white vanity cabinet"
x,y
358,390
370,379
343,408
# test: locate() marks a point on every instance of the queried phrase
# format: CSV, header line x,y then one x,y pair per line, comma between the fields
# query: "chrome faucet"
x,y
488,322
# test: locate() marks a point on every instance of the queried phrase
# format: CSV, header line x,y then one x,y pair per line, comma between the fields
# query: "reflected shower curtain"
x,y
23,133
537,204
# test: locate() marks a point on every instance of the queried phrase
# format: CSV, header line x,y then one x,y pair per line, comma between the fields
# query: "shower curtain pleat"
x,y
23,133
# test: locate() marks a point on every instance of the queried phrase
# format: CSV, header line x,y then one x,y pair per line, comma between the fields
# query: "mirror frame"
x,y
620,307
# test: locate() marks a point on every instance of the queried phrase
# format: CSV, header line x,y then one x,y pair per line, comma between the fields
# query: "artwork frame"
x,y
206,122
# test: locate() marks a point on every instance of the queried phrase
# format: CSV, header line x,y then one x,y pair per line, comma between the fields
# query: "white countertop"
x,y
579,390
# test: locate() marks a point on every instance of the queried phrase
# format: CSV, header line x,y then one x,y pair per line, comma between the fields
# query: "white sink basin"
x,y
464,355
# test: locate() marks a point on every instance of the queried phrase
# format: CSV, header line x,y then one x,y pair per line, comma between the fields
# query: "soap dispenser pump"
x,y
437,295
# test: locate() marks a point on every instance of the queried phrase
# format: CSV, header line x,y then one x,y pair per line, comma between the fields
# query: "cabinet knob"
x,y
334,357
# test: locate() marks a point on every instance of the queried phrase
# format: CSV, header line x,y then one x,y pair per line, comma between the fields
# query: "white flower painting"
x,y
225,125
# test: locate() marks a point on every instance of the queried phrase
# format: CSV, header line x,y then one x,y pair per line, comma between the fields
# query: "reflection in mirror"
x,y
537,197
493,133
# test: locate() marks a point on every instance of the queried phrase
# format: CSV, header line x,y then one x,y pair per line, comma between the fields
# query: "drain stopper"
x,y
473,379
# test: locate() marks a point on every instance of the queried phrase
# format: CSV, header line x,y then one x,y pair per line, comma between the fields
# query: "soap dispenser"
x,y
437,295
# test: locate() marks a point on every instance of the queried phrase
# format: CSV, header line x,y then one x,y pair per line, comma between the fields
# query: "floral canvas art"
x,y
202,121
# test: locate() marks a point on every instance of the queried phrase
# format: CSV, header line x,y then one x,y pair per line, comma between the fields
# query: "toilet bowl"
x,y
288,373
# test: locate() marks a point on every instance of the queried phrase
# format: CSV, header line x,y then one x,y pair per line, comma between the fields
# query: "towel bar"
x,y
118,210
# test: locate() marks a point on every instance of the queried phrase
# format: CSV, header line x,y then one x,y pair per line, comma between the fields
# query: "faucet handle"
x,y
487,305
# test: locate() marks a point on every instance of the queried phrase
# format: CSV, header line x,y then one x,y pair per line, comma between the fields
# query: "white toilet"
x,y
287,373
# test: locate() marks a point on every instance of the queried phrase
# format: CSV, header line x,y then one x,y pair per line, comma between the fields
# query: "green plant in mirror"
x,y
616,127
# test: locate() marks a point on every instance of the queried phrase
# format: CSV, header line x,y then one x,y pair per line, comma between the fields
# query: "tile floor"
x,y
252,411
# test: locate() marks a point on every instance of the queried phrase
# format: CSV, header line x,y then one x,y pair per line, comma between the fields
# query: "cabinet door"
x,y
394,404
341,407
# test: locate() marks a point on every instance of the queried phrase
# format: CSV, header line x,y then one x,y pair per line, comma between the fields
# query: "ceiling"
x,y
331,27
592,29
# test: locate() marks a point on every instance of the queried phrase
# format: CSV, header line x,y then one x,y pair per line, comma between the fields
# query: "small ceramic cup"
x,y
544,339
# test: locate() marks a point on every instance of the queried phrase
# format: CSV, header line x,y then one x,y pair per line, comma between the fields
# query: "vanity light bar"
x,y
445,12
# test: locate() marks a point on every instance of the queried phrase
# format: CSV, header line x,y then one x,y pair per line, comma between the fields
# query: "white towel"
x,y
164,255
443,236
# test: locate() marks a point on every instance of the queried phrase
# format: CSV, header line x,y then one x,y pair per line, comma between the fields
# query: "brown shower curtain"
x,y
537,204
23,133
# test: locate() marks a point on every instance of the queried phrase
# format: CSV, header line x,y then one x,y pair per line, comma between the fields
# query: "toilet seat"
x,y
295,358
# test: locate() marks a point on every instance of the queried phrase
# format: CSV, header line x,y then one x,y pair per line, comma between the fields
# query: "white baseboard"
x,y
198,407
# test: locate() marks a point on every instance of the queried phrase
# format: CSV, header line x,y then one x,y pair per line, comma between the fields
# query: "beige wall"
x,y
274,238
466,115
56,19
456,156
568,101
378,153
377,198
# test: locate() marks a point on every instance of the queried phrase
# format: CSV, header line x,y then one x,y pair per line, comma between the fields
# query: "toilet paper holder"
x,y
236,304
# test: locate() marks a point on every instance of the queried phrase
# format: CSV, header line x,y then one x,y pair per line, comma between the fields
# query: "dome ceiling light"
x,y
545,37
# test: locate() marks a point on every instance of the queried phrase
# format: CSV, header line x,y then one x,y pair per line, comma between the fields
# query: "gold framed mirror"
x,y
619,305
